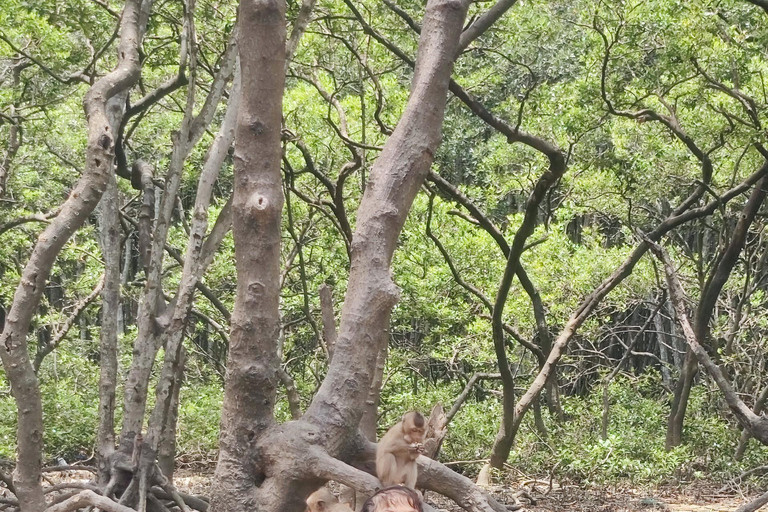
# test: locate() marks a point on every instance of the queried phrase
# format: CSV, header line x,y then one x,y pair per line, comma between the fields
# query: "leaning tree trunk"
x,y
709,296
80,204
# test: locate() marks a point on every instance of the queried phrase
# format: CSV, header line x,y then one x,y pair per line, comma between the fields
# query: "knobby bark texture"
x,y
274,467
80,204
250,385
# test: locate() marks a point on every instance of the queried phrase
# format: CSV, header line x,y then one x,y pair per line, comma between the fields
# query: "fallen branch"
x,y
755,504
89,498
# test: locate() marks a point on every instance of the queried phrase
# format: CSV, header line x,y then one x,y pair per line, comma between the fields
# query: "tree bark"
x,y
395,179
266,465
81,202
484,22
252,363
166,452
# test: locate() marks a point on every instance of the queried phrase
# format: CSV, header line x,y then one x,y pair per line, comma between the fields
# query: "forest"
x,y
241,240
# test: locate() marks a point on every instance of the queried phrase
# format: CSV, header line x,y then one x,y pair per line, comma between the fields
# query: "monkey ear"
x,y
321,506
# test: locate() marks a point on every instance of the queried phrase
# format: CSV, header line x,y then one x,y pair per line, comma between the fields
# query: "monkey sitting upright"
x,y
323,501
398,450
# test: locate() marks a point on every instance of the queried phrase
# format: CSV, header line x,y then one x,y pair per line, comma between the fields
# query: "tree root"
x,y
89,498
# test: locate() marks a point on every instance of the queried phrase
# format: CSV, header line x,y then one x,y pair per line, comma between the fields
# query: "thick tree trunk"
x,y
274,467
395,179
252,363
81,202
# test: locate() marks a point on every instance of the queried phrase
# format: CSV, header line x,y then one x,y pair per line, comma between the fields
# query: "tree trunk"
x,y
81,202
166,452
679,216
252,362
508,429
274,467
110,306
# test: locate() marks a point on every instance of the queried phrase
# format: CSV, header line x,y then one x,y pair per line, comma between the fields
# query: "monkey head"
x,y
413,428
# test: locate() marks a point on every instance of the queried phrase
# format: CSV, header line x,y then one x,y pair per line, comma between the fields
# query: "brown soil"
x,y
538,497
569,498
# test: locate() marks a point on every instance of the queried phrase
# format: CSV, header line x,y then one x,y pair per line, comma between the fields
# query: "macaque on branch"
x,y
398,450
323,501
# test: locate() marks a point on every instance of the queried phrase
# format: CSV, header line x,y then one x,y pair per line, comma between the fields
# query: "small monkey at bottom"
x,y
398,450
323,501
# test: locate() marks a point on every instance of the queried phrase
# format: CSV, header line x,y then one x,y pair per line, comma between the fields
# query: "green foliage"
x,y
538,69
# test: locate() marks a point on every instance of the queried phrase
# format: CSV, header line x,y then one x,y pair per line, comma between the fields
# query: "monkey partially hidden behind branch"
x,y
323,501
398,450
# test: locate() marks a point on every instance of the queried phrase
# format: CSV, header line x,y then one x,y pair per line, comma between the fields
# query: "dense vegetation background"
x,y
563,70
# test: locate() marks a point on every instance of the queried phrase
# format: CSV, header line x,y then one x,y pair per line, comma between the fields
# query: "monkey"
x,y
398,450
323,501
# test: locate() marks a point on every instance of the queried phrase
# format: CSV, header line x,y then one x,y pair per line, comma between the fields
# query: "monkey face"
x,y
413,428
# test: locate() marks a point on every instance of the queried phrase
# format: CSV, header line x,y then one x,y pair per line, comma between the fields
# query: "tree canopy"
x,y
567,197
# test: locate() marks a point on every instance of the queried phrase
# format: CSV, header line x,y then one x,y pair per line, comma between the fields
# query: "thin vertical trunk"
x,y
663,342
166,451
502,445
370,418
110,306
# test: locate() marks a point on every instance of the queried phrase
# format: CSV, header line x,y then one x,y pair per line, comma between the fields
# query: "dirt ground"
x,y
570,498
